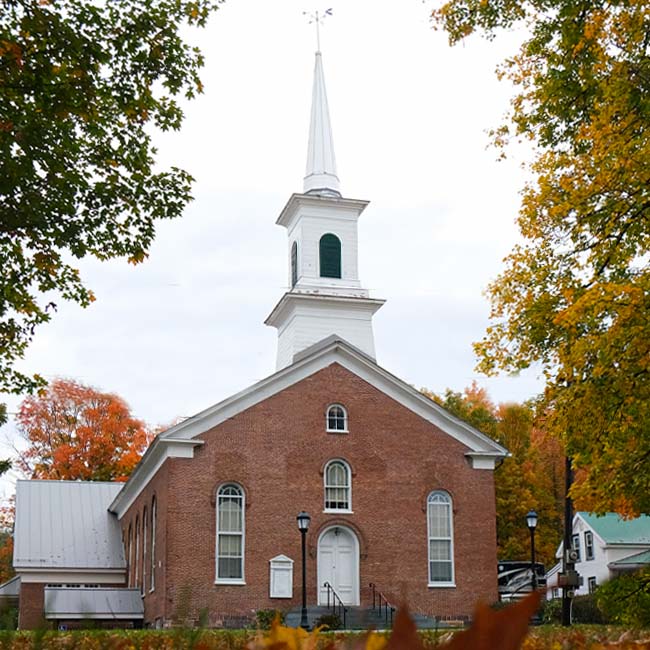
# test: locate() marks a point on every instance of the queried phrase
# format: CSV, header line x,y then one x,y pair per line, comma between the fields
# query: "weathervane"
x,y
318,18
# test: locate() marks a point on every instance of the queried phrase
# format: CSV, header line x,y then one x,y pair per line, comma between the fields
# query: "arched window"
x,y
294,264
338,486
441,539
144,551
152,577
337,418
129,555
137,552
230,533
329,249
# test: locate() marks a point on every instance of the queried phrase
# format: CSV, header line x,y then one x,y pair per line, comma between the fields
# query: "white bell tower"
x,y
326,296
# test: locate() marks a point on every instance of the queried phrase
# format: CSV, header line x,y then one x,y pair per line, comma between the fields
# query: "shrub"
x,y
264,618
332,621
584,609
551,611
626,599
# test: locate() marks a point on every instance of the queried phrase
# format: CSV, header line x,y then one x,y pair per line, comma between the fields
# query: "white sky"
x,y
410,115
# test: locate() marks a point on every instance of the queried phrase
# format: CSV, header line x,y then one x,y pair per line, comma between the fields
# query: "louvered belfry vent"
x,y
294,264
330,256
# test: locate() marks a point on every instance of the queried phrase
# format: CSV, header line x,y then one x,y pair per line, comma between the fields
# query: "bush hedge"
x,y
542,638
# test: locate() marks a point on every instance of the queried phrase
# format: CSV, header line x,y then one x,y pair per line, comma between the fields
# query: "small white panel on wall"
x,y
281,583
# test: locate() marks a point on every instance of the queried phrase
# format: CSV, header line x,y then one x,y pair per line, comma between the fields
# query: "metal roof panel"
x,y
67,525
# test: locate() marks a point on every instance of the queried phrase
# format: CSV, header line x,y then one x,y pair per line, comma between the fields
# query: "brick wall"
x,y
30,606
276,451
154,601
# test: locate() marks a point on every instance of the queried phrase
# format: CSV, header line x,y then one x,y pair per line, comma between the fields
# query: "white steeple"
x,y
320,173
325,297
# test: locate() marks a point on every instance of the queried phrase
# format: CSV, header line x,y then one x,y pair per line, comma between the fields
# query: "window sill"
x,y
229,582
442,585
338,512
336,431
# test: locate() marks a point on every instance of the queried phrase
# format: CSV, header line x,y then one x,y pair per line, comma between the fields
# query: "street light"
x,y
303,526
531,521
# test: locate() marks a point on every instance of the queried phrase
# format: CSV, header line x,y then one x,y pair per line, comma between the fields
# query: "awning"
x,y
632,562
89,603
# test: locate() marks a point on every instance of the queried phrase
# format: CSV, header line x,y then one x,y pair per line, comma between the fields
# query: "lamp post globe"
x,y
531,522
303,520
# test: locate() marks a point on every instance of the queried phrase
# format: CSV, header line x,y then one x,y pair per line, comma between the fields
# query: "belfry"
x,y
325,296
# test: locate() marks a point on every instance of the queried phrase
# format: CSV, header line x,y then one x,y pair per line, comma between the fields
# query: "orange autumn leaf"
x,y
497,630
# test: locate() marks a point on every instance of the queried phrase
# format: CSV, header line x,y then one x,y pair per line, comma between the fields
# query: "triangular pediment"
x,y
179,440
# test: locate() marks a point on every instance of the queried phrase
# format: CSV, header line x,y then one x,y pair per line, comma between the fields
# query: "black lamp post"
x,y
303,526
531,520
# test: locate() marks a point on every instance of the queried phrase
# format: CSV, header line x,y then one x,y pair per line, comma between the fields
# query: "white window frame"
x,y
575,544
345,419
589,545
348,471
130,556
450,539
231,581
591,584
152,578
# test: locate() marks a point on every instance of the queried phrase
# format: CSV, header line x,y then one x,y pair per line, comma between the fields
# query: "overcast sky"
x,y
410,117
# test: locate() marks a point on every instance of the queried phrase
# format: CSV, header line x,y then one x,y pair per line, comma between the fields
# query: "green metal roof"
x,y
612,529
633,561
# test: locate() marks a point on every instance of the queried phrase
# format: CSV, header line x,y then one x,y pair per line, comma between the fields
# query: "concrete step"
x,y
359,618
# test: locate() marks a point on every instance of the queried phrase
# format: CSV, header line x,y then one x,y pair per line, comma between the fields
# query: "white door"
x,y
338,564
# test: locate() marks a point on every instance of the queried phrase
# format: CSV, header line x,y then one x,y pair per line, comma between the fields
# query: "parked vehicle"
x,y
515,579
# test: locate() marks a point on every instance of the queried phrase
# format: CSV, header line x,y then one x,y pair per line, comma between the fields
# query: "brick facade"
x,y
276,450
30,606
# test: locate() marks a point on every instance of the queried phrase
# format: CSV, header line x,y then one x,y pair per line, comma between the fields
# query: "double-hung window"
x,y
441,545
576,546
230,534
338,486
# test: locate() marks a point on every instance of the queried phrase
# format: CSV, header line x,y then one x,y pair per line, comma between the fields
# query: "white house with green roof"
x,y
607,546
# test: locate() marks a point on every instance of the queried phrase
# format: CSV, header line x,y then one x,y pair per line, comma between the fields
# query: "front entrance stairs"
x,y
358,618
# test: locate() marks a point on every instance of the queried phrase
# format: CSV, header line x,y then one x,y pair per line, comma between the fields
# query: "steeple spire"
x,y
320,174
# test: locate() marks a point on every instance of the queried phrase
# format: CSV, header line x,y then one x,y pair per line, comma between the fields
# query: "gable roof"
x,y
11,588
180,439
613,529
66,525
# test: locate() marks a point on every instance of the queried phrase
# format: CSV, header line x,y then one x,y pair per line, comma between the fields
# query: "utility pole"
x,y
569,579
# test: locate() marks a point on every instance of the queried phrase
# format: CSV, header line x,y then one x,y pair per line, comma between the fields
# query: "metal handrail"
x,y
379,601
337,607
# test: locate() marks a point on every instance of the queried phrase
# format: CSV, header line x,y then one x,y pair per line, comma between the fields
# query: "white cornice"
x,y
158,452
292,298
296,201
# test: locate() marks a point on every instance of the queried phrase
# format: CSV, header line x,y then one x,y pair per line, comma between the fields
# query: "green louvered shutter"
x,y
330,256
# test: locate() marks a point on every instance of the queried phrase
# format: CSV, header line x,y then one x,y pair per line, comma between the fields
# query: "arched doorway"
x,y
338,564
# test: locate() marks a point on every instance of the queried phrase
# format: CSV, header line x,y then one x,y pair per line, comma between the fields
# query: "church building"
x,y
400,493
